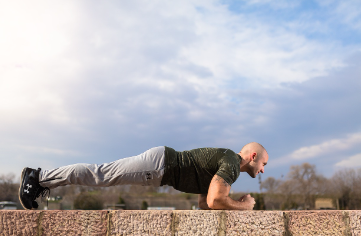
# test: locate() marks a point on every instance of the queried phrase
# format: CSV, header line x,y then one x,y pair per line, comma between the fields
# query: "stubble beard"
x,y
251,171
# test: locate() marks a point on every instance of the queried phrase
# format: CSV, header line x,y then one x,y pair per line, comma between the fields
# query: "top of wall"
x,y
196,222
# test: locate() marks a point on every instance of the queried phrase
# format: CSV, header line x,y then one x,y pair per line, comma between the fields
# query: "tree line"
x,y
303,185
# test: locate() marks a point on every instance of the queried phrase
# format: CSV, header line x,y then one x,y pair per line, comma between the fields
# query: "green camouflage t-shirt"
x,y
192,171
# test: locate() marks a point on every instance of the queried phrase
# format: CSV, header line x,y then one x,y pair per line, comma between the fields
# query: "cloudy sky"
x,y
94,81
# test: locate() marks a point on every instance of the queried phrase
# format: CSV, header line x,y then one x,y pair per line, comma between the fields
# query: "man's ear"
x,y
253,156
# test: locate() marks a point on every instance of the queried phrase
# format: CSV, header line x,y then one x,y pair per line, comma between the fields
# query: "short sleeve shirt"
x,y
192,171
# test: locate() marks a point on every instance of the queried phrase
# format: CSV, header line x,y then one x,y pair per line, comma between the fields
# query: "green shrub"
x,y
88,201
144,205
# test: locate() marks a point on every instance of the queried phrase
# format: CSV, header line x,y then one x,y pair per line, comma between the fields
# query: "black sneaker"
x,y
30,188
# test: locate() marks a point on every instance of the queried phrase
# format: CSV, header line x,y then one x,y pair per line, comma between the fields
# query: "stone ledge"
x,y
196,222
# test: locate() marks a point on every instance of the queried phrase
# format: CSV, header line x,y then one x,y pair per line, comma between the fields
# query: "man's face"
x,y
257,166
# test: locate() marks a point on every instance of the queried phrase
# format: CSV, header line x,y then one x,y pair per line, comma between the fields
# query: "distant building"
x,y
8,205
160,208
325,204
53,206
115,207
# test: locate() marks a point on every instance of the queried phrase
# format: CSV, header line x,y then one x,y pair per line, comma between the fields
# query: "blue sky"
x,y
89,81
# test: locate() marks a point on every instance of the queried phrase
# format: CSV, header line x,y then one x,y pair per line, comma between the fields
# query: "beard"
x,y
251,170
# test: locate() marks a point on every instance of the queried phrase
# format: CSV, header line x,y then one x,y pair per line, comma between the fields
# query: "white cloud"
x,y
347,12
350,11
49,61
350,162
327,147
34,32
47,150
279,4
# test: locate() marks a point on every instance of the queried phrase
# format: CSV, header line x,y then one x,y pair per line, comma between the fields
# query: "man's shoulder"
x,y
229,157
217,149
227,152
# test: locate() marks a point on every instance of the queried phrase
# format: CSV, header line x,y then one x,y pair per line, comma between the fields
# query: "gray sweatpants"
x,y
145,169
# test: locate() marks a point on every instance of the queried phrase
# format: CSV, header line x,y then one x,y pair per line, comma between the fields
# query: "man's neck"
x,y
244,161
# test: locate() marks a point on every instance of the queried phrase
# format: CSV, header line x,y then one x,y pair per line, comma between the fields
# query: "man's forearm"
x,y
227,203
218,199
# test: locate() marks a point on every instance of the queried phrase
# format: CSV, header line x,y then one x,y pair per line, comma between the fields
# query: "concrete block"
x,y
255,223
355,222
73,223
140,222
317,223
198,222
20,222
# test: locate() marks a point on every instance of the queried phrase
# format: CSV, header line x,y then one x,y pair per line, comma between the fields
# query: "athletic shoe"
x,y
30,188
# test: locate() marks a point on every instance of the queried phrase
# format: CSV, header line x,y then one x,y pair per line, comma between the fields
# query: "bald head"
x,y
253,147
254,158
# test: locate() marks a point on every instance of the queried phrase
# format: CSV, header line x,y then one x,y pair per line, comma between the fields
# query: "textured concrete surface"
x,y
140,223
355,222
73,223
21,222
255,223
18,223
198,223
317,223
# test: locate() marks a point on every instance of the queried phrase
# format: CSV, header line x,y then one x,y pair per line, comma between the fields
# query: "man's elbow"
x,y
215,203
202,204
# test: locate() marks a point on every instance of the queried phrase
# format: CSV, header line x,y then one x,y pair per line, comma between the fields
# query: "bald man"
x,y
209,172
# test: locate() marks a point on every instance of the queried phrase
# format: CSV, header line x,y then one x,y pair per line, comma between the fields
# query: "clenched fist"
x,y
248,201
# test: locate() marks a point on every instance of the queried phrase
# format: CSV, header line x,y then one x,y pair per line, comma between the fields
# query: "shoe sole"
x,y
21,184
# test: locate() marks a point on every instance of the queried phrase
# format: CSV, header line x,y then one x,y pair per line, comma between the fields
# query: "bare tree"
x,y
288,188
272,200
270,185
347,187
8,190
306,182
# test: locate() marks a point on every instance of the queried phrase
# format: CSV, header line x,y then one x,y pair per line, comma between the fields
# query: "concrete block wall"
x,y
175,223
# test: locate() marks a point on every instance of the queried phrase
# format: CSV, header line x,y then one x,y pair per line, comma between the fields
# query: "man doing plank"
x,y
209,172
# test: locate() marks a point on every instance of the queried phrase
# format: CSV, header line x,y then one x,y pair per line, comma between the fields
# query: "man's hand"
x,y
248,201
